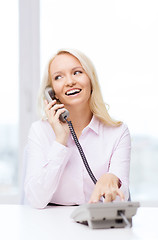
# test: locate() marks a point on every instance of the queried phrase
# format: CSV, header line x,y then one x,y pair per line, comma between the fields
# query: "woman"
x,y
55,171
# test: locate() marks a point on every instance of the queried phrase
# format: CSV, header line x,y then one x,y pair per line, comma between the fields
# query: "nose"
x,y
70,81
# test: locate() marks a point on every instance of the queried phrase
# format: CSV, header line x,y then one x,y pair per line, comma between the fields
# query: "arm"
x,y
45,164
116,181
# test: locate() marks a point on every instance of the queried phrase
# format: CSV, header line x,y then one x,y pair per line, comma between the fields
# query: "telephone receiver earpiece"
x,y
50,95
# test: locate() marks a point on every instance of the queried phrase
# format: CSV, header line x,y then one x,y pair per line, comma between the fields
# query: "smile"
x,y
73,91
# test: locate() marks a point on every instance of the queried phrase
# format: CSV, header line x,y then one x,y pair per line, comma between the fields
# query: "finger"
x,y
57,107
49,105
113,196
108,197
54,109
95,197
59,112
120,194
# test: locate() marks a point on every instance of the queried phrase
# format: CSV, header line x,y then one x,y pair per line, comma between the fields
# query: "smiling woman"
x,y
55,172
85,67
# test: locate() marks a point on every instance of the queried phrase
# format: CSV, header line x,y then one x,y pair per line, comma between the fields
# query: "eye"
x,y
77,72
57,77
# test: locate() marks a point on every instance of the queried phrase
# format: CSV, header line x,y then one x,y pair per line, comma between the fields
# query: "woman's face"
x,y
70,82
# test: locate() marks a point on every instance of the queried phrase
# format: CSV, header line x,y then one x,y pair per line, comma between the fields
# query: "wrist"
x,y
62,141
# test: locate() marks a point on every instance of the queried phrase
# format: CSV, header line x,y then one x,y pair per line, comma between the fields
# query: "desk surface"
x,y
25,223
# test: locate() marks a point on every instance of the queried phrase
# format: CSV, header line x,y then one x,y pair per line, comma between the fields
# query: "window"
x,y
19,60
9,100
121,39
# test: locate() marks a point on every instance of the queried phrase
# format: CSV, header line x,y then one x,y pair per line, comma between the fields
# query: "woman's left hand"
x,y
108,187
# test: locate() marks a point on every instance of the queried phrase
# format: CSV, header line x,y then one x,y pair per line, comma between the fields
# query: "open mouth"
x,y
73,92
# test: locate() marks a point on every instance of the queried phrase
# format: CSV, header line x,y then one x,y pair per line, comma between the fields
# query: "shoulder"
x,y
115,136
40,124
115,132
40,127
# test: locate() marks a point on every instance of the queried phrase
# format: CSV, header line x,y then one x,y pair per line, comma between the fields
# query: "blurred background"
x,y
120,37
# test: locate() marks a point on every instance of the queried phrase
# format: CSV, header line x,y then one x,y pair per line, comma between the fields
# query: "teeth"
x,y
73,91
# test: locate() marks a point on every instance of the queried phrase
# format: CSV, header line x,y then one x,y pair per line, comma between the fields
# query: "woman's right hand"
x,y
61,129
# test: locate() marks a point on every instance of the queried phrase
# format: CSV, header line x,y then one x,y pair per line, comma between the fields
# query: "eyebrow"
x,y
56,73
59,72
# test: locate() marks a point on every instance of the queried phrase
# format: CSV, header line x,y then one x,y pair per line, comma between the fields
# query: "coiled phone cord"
x,y
128,224
81,151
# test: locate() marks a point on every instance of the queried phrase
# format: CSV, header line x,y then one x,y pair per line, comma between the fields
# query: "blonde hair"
x,y
97,105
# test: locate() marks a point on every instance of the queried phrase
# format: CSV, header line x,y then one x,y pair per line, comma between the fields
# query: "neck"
x,y
80,118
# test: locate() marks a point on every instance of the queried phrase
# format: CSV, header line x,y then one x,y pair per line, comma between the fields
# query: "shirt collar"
x,y
94,124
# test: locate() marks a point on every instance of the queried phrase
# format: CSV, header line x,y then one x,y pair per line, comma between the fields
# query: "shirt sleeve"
x,y
45,165
120,160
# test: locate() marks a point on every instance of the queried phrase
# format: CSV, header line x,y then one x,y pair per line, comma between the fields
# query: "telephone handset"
x,y
50,95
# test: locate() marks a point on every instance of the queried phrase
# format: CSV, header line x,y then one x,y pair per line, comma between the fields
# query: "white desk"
x,y
25,223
